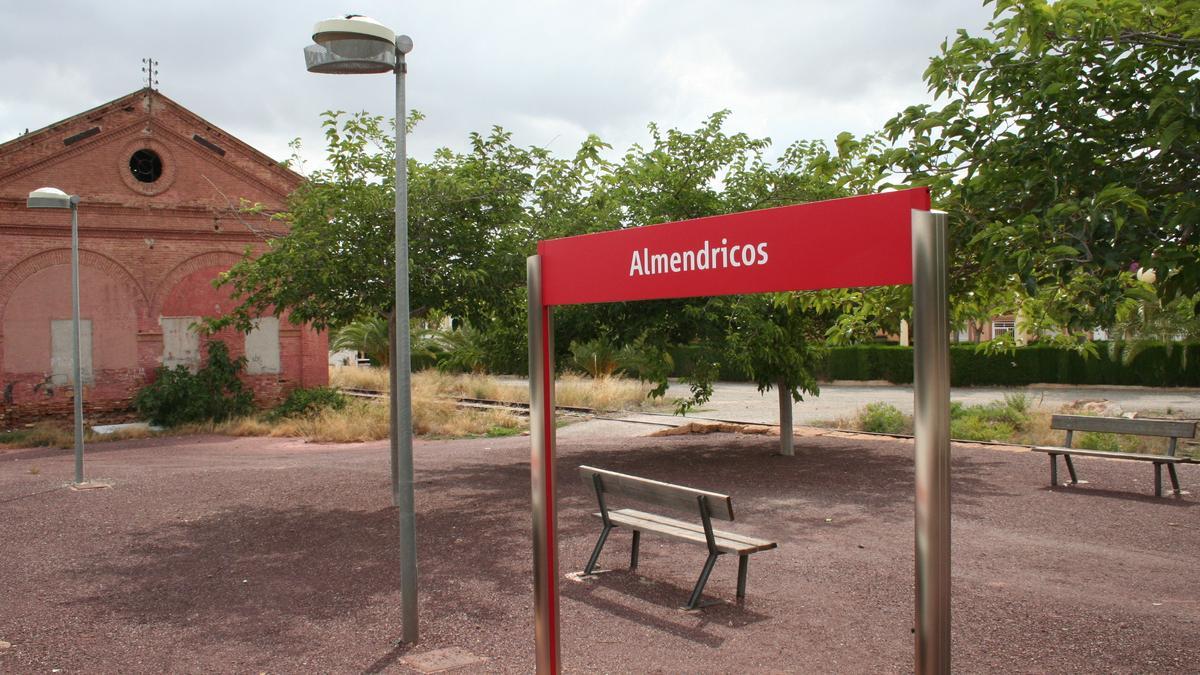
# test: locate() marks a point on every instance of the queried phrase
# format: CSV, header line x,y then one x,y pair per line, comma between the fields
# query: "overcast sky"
x,y
550,71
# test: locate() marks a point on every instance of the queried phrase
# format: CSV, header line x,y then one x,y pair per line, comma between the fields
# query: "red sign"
x,y
841,243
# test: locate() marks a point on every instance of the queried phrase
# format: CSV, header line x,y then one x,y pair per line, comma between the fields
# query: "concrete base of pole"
x,y
89,485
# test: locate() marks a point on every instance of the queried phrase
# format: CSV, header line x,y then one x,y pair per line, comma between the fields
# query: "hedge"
x,y
1171,364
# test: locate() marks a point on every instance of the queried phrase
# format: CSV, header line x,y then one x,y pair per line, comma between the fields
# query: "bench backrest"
x,y
1121,425
656,492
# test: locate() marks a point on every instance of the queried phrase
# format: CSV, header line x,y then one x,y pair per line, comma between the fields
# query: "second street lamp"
x,y
355,44
53,198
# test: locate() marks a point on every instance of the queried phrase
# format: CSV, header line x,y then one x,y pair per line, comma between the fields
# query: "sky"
x,y
549,71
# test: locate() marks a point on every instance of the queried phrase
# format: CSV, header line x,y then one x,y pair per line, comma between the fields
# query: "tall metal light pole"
x,y
350,45
53,198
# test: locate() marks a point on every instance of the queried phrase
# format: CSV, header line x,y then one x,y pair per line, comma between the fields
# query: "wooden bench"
x,y
707,505
1172,429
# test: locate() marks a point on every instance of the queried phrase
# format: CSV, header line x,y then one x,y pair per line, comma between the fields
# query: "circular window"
x,y
146,166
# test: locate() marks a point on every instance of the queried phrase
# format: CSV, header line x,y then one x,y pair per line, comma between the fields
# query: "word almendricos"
x,y
703,258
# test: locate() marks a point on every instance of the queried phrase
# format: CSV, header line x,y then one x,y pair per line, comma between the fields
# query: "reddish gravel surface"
x,y
249,555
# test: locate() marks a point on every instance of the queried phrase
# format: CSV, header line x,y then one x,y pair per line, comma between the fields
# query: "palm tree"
x,y
367,335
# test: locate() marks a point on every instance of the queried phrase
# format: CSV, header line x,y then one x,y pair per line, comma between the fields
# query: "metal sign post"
x,y
541,434
931,422
889,238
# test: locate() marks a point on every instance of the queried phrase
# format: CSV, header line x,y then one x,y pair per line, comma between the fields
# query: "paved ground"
x,y
740,402
743,402
253,555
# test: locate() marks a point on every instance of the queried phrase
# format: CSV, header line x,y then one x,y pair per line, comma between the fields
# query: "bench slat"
x,y
1121,425
657,492
728,542
1165,459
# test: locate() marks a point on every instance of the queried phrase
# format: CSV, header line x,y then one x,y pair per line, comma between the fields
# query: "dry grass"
x,y
367,420
359,377
608,393
361,420
435,413
442,418
62,435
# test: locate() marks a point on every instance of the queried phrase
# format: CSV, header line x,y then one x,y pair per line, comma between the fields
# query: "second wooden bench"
x,y
1173,429
707,505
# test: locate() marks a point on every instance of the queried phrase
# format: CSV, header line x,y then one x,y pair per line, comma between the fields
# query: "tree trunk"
x,y
786,446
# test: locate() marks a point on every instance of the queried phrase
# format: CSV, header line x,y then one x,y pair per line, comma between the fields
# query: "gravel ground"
x,y
271,555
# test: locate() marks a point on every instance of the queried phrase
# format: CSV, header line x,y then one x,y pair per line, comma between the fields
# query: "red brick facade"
x,y
148,250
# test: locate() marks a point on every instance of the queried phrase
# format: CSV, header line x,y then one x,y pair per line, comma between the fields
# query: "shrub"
x,y
980,428
882,418
597,358
998,421
1093,440
213,393
307,402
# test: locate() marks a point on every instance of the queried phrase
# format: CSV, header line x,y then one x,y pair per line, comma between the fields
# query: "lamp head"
x,y
353,44
51,198
352,27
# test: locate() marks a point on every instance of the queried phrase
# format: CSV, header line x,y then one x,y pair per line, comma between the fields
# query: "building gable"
x,y
143,150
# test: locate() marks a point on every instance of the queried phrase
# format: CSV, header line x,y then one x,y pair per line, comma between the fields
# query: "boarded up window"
x,y
262,346
62,357
181,342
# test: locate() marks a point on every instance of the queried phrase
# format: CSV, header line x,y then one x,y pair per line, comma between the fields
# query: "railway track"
x,y
517,407
523,409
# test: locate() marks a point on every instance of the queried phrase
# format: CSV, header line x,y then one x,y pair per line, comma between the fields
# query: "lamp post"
x,y
53,198
356,44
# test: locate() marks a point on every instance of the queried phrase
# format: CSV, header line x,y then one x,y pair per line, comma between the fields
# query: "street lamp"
x,y
53,198
355,44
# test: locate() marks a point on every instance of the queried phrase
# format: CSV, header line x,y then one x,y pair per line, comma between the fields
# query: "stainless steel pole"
x,y
931,387
541,435
402,446
75,339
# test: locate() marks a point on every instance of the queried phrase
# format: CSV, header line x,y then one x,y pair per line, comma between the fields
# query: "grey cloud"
x,y
542,67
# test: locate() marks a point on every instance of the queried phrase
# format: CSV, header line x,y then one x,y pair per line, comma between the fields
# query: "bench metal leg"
x,y
1053,470
1071,470
708,566
743,564
1174,479
633,556
1157,479
596,552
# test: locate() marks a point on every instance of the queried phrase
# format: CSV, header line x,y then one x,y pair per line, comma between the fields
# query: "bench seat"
x,y
727,542
1161,459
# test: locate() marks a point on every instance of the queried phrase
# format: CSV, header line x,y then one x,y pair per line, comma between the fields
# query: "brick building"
x,y
158,221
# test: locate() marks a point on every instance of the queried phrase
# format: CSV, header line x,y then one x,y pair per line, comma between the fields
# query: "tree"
x,y
1065,148
468,231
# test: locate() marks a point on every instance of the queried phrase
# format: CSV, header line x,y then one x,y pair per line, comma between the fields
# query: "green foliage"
x,y
213,393
1171,364
462,350
307,402
470,227
598,358
1092,440
891,363
1062,144
367,335
997,421
882,418
1063,147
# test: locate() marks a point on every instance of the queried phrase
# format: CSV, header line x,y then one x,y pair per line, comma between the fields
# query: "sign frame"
x,y
859,236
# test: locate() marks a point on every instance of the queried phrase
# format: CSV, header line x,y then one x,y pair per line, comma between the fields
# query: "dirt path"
x,y
251,555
